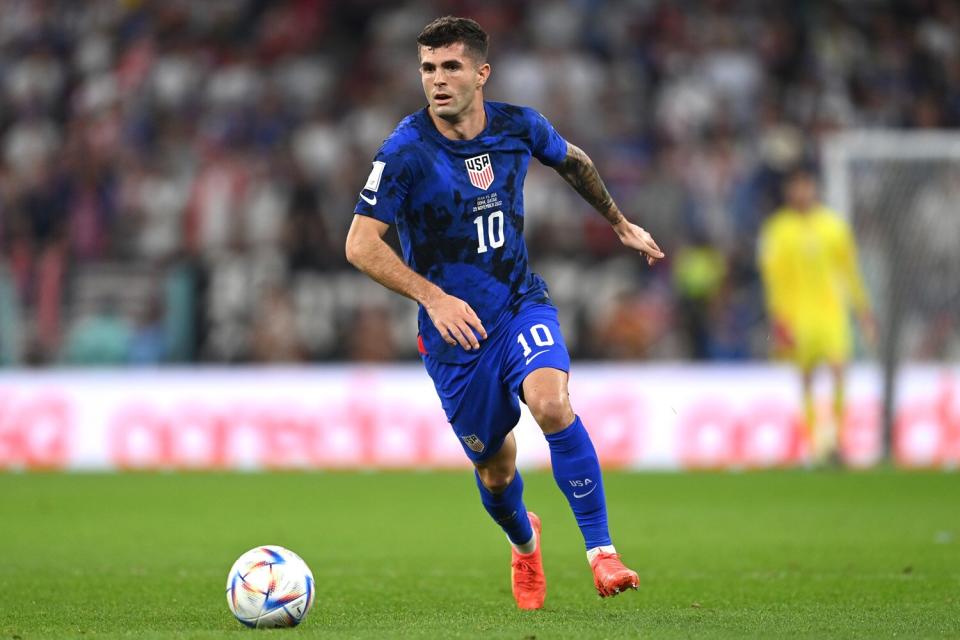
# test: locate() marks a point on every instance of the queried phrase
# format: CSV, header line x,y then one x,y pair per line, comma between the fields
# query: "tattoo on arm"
x,y
580,172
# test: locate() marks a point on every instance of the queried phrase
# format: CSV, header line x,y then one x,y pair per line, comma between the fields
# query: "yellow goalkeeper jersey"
x,y
808,262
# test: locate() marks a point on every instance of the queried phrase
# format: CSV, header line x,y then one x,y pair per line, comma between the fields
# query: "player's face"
x,y
802,192
452,79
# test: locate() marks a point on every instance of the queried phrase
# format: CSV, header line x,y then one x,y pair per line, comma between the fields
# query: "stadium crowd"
x,y
177,177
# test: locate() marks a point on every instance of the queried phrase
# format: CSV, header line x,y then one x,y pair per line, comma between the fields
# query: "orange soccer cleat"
x,y
610,576
526,573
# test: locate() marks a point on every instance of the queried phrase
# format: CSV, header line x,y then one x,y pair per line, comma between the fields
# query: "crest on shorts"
x,y
474,443
480,171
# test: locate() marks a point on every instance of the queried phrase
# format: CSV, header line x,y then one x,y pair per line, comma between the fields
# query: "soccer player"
x,y
451,178
808,261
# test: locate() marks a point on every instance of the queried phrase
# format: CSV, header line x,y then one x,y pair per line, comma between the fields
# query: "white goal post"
x,y
900,191
841,149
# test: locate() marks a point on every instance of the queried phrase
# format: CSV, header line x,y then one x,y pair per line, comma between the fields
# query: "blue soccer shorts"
x,y
481,399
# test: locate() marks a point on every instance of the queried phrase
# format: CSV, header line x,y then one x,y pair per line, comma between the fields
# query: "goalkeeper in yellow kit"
x,y
808,261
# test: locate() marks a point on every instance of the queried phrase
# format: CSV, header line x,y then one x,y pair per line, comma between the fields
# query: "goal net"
x,y
901,192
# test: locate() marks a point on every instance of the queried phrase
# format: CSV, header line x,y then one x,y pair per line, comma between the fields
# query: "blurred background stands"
x,y
177,178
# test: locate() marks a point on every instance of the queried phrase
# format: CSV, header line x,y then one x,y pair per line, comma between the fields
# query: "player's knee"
x,y
496,480
552,413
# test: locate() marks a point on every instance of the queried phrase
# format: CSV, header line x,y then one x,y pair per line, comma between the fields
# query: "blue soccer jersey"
x,y
458,207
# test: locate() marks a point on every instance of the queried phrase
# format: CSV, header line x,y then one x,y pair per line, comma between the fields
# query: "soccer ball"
x,y
270,586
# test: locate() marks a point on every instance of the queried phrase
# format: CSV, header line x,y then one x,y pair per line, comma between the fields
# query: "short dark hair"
x,y
802,171
450,30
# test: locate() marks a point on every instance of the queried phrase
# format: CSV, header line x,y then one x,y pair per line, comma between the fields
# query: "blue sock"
x,y
507,509
577,472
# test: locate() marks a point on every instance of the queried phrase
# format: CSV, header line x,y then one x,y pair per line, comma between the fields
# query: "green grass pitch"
x,y
413,555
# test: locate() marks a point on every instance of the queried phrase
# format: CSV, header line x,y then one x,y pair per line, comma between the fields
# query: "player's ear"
x,y
483,73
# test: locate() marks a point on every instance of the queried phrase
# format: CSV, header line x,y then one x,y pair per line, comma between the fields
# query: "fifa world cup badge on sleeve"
x,y
373,180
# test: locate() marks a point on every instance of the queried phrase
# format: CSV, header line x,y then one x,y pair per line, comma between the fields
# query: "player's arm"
x,y
849,266
369,252
580,172
776,284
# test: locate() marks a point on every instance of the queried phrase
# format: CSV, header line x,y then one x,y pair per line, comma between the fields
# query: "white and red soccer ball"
x,y
270,586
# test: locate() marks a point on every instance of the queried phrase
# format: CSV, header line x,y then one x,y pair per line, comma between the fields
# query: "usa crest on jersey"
x,y
480,171
474,443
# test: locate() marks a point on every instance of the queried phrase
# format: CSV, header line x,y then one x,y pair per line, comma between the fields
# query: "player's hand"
x,y
455,321
782,335
637,238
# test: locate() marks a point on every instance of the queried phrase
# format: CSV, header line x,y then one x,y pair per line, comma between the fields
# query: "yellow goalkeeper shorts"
x,y
820,343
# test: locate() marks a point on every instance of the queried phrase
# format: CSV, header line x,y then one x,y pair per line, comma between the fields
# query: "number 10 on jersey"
x,y
494,229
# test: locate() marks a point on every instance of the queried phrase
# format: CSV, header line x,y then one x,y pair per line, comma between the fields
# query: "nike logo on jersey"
x,y
370,201
530,359
584,495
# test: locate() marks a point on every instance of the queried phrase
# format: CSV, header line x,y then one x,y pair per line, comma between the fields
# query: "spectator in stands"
x,y
100,339
148,344
275,334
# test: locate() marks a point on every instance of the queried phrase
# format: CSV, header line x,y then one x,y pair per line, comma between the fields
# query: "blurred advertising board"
x,y
331,417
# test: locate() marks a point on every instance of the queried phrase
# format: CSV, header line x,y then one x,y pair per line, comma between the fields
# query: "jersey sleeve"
x,y
549,147
849,268
773,271
384,194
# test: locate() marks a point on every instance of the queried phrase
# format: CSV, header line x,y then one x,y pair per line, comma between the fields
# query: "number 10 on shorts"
x,y
540,333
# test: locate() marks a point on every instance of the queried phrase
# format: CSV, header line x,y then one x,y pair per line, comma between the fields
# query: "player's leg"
x,y
839,341
576,470
804,352
838,373
535,367
576,467
501,491
809,410
483,412
536,363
